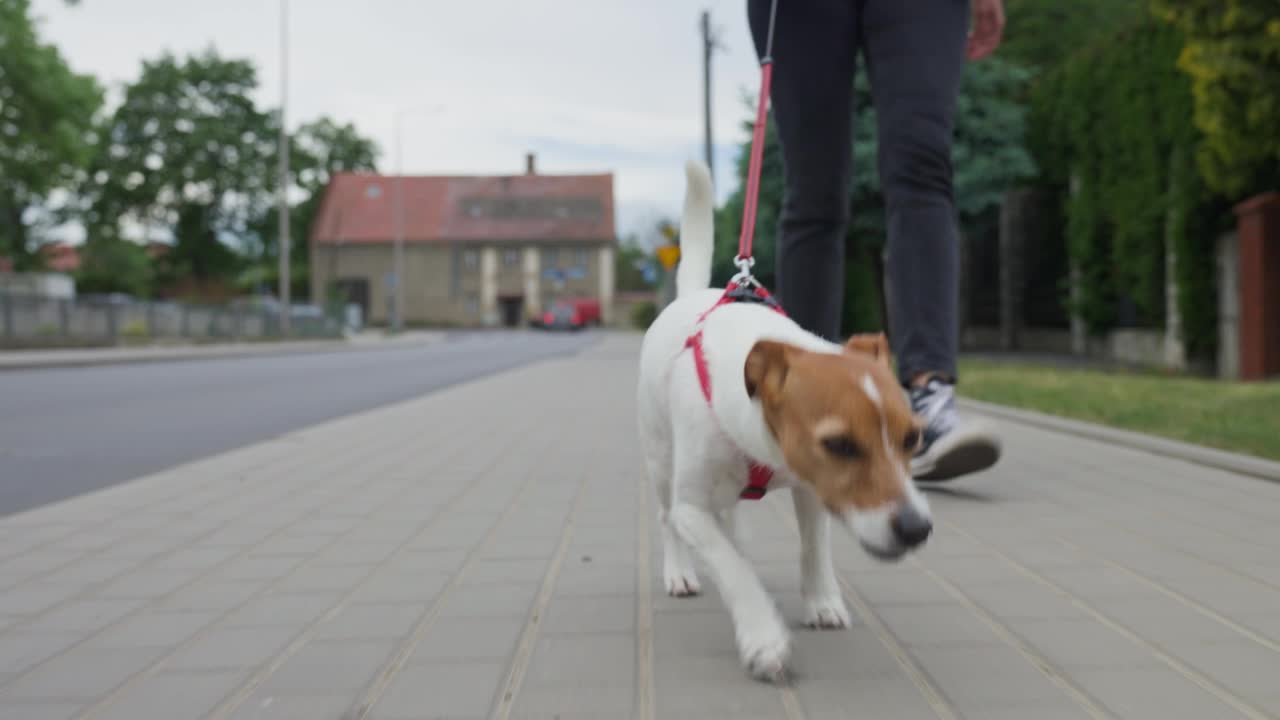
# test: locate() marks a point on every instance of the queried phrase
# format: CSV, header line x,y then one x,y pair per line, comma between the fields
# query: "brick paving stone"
x,y
174,695
273,706
81,674
84,616
156,629
371,622
1080,643
976,679
40,711
21,651
469,639
232,648
441,690
329,666
1151,692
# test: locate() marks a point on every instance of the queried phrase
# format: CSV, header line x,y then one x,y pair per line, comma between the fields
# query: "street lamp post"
x,y
397,271
283,197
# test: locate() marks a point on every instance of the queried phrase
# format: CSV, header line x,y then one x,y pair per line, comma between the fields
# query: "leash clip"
x,y
744,276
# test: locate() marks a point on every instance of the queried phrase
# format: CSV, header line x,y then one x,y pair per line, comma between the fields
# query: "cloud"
x,y
588,85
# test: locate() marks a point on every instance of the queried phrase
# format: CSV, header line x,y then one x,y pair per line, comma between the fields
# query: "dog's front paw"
x,y
682,583
826,612
766,652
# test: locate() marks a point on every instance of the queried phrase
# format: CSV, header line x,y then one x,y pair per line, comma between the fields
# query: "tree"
x,y
188,153
1042,33
46,111
317,150
629,263
114,266
1232,54
989,156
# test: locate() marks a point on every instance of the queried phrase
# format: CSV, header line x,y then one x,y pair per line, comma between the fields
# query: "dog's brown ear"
x,y
766,367
873,344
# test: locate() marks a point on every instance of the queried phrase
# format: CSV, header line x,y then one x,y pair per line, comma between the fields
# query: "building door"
x,y
512,309
354,290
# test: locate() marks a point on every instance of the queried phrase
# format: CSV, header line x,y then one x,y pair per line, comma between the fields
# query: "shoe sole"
x,y
960,453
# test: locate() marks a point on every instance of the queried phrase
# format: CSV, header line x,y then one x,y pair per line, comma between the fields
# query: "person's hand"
x,y
988,26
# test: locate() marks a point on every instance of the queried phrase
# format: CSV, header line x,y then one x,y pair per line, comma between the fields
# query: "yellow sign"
x,y
668,255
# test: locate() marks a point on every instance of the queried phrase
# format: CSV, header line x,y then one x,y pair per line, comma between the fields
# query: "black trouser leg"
x,y
915,57
914,53
814,53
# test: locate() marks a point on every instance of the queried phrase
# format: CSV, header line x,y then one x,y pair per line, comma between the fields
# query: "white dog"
x,y
727,397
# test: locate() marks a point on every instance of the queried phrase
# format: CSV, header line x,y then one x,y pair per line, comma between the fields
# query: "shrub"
x,y
643,315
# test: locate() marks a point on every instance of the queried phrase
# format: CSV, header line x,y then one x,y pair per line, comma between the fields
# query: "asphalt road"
x,y
64,432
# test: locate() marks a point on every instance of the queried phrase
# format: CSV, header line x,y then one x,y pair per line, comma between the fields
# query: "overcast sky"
x,y
589,85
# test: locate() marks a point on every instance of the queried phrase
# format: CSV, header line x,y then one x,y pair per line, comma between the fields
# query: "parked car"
x,y
575,313
562,316
565,317
588,308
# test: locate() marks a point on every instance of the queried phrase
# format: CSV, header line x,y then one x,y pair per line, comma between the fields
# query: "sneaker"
x,y
950,447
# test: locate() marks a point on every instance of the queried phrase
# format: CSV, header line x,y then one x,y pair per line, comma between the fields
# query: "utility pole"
x,y
397,257
285,275
709,45
397,208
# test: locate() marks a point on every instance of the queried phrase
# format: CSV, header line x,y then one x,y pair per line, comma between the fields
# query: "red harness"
x,y
758,476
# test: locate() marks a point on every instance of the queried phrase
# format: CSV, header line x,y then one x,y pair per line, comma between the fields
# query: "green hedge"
x,y
1112,130
989,156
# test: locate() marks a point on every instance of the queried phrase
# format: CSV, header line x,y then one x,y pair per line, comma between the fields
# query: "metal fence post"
x,y
64,316
113,322
7,302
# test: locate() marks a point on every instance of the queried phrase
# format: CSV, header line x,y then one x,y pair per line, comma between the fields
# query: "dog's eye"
x,y
912,440
842,447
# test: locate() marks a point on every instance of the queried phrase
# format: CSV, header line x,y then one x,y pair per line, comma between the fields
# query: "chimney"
x,y
530,164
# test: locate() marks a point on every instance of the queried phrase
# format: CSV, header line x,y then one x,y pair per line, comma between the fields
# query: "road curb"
x,y
75,359
1198,454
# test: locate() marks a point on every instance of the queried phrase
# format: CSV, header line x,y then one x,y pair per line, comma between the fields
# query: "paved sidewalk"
x,y
490,551
82,357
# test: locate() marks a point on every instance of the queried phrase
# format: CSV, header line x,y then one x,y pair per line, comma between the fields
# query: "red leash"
x,y
744,259
740,287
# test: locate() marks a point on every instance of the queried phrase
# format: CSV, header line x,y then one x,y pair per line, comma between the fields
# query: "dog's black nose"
x,y
910,527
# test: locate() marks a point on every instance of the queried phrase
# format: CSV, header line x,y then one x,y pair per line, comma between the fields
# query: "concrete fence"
x,y
1014,288
29,321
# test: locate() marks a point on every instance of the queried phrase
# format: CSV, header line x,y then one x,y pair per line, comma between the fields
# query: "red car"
x,y
572,314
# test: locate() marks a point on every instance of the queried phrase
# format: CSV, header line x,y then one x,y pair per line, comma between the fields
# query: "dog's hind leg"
x,y
677,562
734,525
678,574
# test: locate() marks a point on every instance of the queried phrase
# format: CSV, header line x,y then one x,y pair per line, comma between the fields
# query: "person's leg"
x,y
814,48
915,57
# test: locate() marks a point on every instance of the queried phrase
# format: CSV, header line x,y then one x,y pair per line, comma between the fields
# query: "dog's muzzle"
x,y
910,527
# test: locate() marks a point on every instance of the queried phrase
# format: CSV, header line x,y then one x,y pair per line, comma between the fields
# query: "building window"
x,y
470,259
550,257
511,258
580,257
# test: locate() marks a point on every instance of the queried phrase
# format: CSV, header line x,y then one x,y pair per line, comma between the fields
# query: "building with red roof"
x,y
479,251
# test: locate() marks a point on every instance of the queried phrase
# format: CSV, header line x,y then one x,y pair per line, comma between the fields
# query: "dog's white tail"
x,y
697,241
